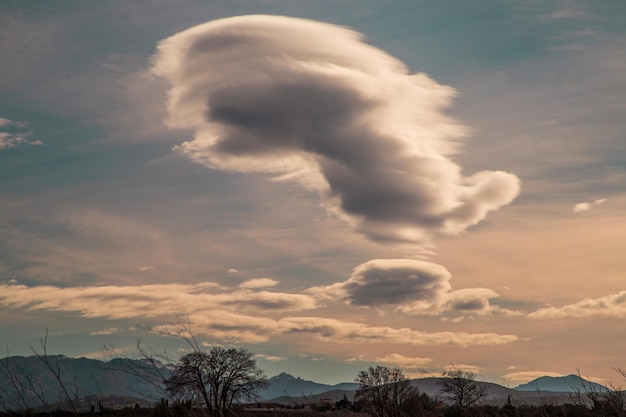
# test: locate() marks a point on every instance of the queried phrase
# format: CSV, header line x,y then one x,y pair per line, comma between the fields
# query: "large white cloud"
x,y
311,103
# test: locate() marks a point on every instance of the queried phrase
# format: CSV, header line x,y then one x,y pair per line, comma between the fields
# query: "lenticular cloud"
x,y
309,102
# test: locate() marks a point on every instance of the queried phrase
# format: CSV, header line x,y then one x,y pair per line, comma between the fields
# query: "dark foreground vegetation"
x,y
426,408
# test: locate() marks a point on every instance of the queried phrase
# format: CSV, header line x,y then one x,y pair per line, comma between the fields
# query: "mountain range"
x,y
285,385
553,390
569,383
27,382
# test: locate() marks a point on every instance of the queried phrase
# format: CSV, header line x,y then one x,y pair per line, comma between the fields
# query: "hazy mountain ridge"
x,y
496,394
286,385
82,377
131,379
569,383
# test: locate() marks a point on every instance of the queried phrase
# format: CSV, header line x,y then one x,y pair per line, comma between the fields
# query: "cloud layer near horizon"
x,y
224,314
310,103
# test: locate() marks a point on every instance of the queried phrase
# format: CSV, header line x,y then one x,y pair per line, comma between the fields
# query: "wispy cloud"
x,y
77,242
227,314
613,305
107,331
271,358
580,207
402,361
569,10
15,134
412,367
370,137
147,268
463,367
522,377
571,13
346,332
258,283
118,302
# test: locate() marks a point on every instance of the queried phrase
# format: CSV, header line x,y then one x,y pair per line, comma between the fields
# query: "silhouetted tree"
x,y
217,379
461,388
151,367
386,392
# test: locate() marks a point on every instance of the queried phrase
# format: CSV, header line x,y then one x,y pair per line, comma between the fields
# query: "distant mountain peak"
x,y
284,376
569,383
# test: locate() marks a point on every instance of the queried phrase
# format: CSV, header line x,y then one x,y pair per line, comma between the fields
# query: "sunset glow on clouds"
x,y
611,305
230,315
404,362
588,206
329,184
118,302
516,378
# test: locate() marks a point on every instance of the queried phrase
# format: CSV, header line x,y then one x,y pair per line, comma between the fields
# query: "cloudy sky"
x,y
328,184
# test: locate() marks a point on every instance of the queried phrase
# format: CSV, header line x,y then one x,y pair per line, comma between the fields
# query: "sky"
x,y
328,184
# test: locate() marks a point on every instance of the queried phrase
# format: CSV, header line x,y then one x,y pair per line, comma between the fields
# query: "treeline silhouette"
x,y
221,382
